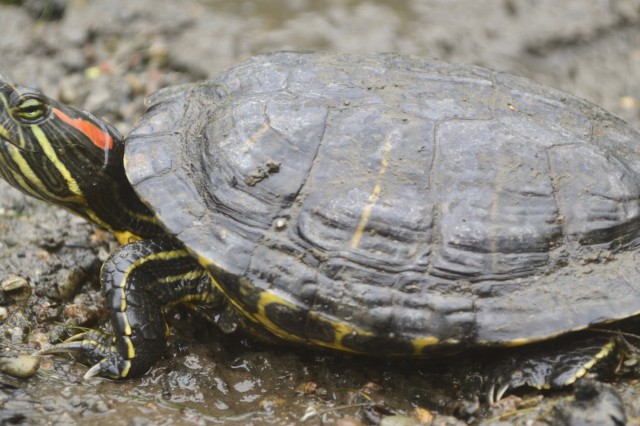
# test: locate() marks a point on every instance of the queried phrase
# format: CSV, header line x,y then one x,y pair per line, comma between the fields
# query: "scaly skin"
x,y
73,159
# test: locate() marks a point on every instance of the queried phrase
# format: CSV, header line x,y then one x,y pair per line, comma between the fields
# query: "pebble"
x,y
594,403
39,340
13,282
281,224
17,335
74,60
423,415
399,421
16,287
49,10
270,404
101,95
629,103
70,283
348,421
4,314
68,88
81,315
20,366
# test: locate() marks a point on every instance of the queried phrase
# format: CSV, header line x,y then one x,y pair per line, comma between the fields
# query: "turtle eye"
x,y
31,109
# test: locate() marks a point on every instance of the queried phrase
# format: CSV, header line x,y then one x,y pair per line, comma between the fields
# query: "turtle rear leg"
x,y
140,281
552,364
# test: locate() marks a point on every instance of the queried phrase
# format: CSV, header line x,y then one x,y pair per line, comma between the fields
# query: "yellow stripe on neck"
x,y
25,175
51,155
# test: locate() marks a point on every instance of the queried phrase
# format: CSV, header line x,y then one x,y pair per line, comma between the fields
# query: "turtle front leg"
x,y
140,281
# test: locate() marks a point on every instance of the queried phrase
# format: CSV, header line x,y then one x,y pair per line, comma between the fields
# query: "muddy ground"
x,y
107,55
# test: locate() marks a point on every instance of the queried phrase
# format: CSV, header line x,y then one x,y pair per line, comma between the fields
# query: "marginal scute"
x,y
608,207
426,204
288,319
320,330
381,345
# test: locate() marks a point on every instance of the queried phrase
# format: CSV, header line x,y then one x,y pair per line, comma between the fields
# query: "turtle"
x,y
375,204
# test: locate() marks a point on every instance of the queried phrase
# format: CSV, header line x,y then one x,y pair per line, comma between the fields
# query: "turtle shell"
x,y
390,204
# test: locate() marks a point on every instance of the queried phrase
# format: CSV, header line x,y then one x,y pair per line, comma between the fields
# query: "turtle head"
x,y
33,122
68,157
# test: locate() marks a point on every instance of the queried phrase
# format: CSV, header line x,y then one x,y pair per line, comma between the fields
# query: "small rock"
x,y
39,340
399,421
270,404
16,287
101,95
370,388
262,171
423,415
595,404
21,366
47,313
70,283
281,223
158,53
629,103
68,87
17,335
66,419
4,314
348,421
46,10
310,387
73,60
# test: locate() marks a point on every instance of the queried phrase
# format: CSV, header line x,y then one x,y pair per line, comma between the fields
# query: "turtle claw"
x,y
496,392
499,393
95,348
93,371
92,344
114,367
491,394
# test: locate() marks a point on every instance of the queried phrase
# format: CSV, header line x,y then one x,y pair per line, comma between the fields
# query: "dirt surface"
x,y
106,56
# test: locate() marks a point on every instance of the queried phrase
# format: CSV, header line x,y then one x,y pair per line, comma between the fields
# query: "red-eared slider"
x,y
376,204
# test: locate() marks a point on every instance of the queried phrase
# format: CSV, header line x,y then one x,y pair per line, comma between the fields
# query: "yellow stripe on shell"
x,y
364,218
267,298
419,343
341,329
257,135
208,265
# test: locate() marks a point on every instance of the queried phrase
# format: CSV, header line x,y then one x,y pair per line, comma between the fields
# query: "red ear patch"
x,y
102,140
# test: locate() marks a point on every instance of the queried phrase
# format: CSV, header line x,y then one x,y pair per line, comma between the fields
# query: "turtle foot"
x,y
548,365
97,349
